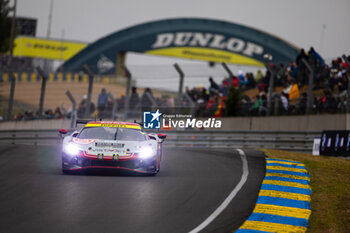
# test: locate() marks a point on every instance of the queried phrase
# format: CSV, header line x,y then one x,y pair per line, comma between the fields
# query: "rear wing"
x,y
139,123
84,122
80,122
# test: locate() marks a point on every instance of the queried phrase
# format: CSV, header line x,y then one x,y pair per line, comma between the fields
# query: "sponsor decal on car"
x,y
115,125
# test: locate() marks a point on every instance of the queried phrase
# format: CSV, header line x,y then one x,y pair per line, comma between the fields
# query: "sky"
x,y
322,24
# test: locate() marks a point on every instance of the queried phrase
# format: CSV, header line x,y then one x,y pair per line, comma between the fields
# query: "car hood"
x,y
110,147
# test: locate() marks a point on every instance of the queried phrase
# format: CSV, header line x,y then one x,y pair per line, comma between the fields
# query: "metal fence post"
x,y
309,88
181,83
276,107
12,94
127,93
348,75
271,86
228,70
74,111
115,105
91,80
191,104
12,76
151,98
43,88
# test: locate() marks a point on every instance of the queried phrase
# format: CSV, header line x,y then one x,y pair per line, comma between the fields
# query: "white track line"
x,y
230,197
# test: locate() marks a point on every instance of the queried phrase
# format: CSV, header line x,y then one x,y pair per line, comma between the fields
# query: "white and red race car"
x,y
112,145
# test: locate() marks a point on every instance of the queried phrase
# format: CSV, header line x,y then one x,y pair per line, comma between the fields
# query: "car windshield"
x,y
110,133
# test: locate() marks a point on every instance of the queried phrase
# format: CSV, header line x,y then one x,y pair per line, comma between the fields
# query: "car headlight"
x,y
72,149
146,152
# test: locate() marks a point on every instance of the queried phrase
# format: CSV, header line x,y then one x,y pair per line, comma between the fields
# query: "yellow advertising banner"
x,y
206,54
48,49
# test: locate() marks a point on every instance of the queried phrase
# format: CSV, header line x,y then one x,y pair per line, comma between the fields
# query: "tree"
x,y
5,26
234,102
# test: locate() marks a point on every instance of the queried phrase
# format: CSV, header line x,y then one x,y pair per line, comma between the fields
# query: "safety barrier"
x,y
296,141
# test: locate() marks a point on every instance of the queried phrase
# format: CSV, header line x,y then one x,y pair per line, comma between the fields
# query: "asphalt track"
x,y
36,197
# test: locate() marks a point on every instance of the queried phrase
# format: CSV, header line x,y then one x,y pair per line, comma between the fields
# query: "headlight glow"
x,y
72,149
146,152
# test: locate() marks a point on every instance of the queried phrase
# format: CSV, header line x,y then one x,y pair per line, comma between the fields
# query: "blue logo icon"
x,y
151,120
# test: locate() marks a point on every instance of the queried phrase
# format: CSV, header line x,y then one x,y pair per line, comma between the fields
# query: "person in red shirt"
x,y
235,82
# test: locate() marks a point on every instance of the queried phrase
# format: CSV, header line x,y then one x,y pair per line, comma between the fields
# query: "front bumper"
x,y
75,163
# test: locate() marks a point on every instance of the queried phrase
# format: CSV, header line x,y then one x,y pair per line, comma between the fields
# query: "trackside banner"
x,y
192,38
47,49
335,143
206,46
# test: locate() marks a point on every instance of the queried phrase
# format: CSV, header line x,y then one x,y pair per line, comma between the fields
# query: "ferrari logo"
x,y
100,156
115,157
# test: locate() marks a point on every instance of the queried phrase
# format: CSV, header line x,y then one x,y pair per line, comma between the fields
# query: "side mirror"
x,y
63,131
162,136
75,135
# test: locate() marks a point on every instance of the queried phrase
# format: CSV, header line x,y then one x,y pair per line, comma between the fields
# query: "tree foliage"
x,y
233,102
5,26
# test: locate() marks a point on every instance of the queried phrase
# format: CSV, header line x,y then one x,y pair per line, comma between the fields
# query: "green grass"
x,y
330,183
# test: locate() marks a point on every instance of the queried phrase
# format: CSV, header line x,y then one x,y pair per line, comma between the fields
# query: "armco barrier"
x,y
296,141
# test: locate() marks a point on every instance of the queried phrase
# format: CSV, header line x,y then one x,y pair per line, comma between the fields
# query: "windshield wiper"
x,y
115,135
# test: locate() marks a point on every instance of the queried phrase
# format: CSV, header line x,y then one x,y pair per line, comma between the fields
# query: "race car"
x,y
112,145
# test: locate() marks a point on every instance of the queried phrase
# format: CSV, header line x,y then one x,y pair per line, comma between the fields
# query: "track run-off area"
x,y
195,191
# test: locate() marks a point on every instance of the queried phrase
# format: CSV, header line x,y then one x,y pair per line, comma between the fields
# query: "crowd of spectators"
x,y
330,83
48,114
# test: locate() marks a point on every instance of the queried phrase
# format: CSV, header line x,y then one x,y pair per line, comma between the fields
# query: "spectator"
x,y
220,109
330,103
302,55
292,90
315,58
224,86
256,105
302,104
134,99
211,106
203,93
58,114
247,104
259,76
251,81
242,79
281,75
285,102
235,82
82,107
102,101
146,99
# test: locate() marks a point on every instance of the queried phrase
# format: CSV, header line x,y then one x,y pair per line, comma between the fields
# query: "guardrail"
x,y
296,141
